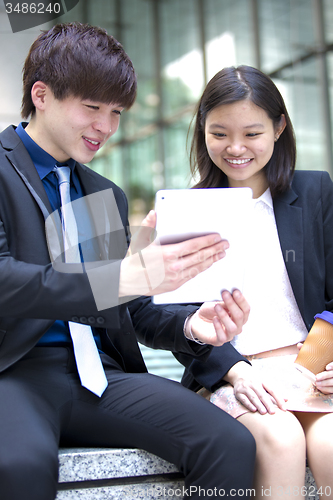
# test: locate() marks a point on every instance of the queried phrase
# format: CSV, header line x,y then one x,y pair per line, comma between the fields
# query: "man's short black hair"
x,y
79,60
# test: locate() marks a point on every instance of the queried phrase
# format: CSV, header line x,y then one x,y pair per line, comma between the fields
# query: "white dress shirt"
x,y
275,320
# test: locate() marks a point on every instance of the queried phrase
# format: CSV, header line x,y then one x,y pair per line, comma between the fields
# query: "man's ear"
x,y
39,93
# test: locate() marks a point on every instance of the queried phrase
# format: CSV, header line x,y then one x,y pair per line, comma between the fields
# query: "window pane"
x,y
287,31
300,87
330,78
229,34
328,20
138,41
177,170
181,56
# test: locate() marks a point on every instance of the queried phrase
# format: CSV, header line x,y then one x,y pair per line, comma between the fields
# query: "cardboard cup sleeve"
x,y
317,350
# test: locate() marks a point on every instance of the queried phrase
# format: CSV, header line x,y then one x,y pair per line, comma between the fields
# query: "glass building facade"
x,y
178,45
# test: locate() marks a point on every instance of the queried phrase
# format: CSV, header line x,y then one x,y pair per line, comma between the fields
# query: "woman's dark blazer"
x,y
34,293
304,218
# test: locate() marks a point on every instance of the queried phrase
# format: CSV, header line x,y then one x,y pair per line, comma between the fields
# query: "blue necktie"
x,y
88,361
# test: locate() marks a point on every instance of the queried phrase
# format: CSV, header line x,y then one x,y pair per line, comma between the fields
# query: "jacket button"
x,y
83,319
100,320
91,320
75,319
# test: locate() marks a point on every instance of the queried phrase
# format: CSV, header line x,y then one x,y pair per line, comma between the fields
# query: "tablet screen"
x,y
186,213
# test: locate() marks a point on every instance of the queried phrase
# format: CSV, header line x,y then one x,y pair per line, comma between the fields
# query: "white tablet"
x,y
186,213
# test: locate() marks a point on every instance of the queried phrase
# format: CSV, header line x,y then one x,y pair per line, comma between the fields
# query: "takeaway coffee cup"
x,y
317,350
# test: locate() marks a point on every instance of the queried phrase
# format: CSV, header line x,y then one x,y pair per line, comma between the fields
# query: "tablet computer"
x,y
186,213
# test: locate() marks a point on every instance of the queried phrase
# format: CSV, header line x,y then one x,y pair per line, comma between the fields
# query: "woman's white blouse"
x,y
275,320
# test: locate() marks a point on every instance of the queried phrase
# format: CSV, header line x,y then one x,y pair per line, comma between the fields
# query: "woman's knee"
x,y
318,429
278,434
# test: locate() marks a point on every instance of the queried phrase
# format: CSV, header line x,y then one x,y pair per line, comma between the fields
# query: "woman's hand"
x,y
251,391
324,380
218,322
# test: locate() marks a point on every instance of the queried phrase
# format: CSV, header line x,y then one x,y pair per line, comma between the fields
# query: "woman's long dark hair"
x,y
231,85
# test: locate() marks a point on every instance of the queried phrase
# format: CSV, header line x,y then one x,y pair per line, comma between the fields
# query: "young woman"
x,y
243,136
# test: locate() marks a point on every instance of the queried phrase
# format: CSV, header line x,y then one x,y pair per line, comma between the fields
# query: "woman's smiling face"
x,y
240,141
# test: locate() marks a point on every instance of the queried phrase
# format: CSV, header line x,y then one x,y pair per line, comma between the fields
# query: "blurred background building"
x,y
176,47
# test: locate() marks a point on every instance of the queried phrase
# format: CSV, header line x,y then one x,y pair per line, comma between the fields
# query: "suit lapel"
x,y
290,229
87,180
20,160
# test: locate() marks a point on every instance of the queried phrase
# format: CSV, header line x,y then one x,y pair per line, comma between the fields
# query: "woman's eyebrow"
x,y
255,125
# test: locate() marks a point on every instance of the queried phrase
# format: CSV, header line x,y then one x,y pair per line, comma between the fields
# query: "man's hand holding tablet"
x,y
151,268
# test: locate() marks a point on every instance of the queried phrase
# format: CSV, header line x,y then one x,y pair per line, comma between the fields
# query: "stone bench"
x,y
107,473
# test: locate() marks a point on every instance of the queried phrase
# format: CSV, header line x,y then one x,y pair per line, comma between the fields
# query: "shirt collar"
x,y
42,160
266,198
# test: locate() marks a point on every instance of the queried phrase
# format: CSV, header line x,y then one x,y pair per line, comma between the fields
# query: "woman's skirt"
x,y
300,392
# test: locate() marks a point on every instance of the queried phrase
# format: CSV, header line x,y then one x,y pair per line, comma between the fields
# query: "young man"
x,y
77,80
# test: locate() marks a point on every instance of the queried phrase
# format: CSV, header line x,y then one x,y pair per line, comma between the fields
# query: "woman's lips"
x,y
238,162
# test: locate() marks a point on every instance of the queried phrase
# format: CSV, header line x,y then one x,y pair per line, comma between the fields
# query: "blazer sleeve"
x,y
161,327
29,290
209,372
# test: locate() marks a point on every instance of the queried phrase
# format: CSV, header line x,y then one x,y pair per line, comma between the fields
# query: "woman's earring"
x,y
276,138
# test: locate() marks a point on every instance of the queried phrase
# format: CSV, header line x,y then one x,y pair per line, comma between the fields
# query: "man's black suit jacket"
x,y
304,219
34,293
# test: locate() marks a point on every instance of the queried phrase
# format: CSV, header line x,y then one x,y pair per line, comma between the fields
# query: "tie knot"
x,y
63,173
